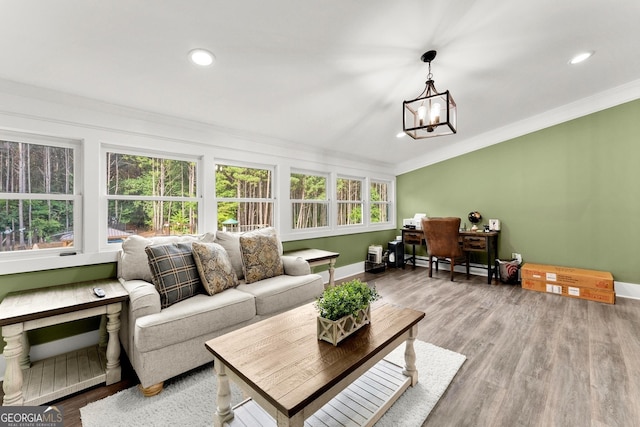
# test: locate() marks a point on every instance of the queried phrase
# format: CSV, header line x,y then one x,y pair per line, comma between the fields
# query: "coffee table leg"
x,y
410,369
223,397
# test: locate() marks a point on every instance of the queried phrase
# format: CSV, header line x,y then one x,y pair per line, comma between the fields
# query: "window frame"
x,y
105,148
275,218
361,202
75,196
388,203
326,202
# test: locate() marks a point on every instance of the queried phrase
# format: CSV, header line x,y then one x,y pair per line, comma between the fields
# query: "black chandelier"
x,y
431,113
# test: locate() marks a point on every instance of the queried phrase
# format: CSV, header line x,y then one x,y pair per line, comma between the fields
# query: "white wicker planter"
x,y
334,331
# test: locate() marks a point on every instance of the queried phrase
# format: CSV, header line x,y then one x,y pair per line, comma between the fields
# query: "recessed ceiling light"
x,y
201,57
581,57
400,134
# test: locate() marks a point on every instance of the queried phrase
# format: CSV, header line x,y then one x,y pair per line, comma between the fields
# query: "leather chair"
x,y
441,235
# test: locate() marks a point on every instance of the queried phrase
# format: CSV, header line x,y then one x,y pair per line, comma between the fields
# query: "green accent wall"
x,y
352,247
566,195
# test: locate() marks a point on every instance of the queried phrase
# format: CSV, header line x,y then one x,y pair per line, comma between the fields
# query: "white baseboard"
x,y
627,290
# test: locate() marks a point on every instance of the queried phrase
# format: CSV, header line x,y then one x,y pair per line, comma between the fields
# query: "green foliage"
x,y
250,187
345,299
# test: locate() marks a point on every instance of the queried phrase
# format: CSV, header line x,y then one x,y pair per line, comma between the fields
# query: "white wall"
x,y
39,111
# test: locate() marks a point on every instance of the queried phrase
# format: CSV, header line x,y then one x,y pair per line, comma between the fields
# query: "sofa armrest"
x,y
295,266
144,299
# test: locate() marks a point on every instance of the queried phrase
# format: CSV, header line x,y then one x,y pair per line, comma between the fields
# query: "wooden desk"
x,y
50,379
471,241
291,376
318,257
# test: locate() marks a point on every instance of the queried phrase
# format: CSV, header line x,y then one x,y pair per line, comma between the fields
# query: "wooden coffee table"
x,y
291,377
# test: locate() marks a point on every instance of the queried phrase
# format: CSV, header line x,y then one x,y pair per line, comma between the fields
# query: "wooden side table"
x,y
413,237
46,380
318,257
487,242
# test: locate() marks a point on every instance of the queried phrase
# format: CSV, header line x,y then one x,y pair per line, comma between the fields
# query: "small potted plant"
x,y
344,309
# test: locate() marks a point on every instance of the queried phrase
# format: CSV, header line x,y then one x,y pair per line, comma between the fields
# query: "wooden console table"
x,y
318,257
46,380
483,241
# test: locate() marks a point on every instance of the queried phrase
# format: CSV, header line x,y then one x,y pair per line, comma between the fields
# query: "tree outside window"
x,y
380,203
150,196
349,198
309,204
244,197
36,195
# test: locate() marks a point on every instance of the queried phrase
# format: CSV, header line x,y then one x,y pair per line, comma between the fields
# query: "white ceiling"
x,y
329,74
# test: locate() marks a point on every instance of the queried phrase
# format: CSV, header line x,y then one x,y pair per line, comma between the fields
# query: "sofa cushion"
x,y
194,317
231,243
214,267
284,292
174,272
260,250
132,263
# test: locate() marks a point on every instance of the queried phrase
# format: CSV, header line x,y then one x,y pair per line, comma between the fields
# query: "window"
x,y
349,199
150,196
38,205
244,197
380,202
309,203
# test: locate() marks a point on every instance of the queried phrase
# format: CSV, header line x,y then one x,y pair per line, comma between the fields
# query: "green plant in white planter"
x,y
344,309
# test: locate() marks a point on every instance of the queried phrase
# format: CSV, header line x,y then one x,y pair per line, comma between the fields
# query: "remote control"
x,y
99,292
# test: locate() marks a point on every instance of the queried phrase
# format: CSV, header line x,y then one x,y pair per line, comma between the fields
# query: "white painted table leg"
x,y
332,269
104,336
25,360
113,368
410,369
12,385
223,397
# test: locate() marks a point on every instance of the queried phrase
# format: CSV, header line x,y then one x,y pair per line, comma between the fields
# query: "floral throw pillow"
x,y
260,252
214,266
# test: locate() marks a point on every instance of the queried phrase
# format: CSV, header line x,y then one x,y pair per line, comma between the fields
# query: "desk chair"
x,y
441,235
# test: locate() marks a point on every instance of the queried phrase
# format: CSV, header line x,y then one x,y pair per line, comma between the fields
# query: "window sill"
x,y
24,265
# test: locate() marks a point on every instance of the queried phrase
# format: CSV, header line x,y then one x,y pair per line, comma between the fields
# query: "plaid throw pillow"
x,y
174,272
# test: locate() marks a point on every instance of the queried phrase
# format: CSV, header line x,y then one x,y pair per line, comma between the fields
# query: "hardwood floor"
x,y
533,359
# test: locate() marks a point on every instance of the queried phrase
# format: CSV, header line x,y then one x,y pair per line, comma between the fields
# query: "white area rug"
x,y
190,400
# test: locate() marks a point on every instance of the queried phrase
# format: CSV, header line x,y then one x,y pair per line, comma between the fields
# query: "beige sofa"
x,y
164,342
